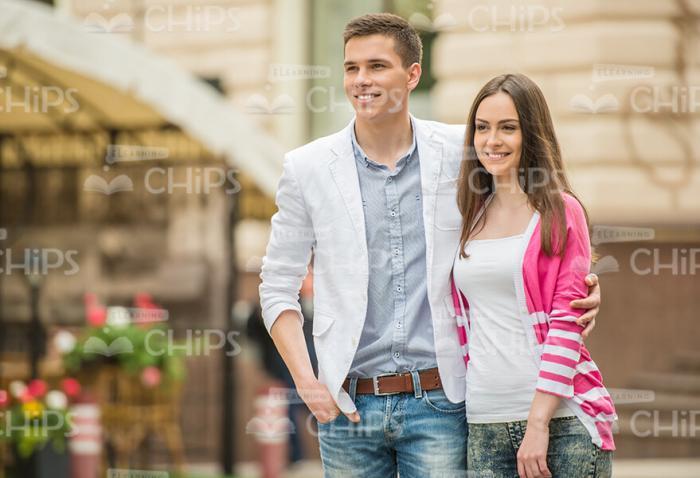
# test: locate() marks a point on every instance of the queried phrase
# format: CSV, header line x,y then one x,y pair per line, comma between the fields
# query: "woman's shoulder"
x,y
573,207
570,201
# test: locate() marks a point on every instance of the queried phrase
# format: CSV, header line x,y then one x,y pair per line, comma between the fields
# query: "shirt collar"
x,y
360,153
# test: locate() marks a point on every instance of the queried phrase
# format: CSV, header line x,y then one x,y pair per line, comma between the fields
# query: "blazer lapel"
x,y
344,171
430,156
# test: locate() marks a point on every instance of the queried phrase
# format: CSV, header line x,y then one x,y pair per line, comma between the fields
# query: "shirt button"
x,y
398,326
399,288
393,214
389,179
396,354
396,252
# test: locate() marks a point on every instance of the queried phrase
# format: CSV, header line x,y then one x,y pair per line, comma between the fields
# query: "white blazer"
x,y
320,210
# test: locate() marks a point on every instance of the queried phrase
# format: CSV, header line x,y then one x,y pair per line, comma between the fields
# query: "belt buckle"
x,y
375,383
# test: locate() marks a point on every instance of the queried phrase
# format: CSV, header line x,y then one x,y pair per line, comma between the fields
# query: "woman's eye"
x,y
509,128
480,127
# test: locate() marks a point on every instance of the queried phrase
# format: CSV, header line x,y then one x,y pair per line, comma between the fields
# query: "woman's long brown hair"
x,y
541,169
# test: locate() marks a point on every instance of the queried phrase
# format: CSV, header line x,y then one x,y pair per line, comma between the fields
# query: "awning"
x,y
61,83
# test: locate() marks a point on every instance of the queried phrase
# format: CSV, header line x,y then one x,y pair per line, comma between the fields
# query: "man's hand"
x,y
288,336
321,403
592,303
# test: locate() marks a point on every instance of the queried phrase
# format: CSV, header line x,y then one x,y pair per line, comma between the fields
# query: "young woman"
x,y
536,404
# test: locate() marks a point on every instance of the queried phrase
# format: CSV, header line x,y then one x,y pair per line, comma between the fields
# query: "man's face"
x,y
375,81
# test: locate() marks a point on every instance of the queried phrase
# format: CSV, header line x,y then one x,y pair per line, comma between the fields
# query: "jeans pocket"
x,y
567,427
438,401
571,452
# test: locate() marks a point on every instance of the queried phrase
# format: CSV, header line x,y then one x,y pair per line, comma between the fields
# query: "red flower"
x,y
71,387
37,388
95,313
97,316
143,318
143,300
27,396
4,399
151,376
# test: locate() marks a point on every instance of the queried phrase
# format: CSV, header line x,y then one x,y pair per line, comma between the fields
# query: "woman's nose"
x,y
493,138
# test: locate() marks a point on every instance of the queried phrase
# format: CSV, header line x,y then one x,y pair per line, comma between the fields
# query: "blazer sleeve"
x,y
288,250
562,345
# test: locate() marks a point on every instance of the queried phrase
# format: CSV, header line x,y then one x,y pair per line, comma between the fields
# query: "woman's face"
x,y
497,135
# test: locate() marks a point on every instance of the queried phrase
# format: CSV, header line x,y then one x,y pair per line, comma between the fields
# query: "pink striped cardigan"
x,y
544,287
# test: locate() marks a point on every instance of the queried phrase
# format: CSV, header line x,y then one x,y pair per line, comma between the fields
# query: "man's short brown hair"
x,y
406,40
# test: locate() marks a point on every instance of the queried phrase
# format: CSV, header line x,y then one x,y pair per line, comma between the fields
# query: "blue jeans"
x,y
493,449
419,434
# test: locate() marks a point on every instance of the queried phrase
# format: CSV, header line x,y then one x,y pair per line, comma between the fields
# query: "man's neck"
x,y
385,141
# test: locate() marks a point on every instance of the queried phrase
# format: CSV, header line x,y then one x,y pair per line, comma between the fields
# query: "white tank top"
x,y
502,371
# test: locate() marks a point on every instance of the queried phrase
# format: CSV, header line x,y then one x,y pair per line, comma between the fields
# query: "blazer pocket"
x,y
448,302
447,216
321,323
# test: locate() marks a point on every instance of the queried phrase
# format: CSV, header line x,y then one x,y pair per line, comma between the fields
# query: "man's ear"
x,y
414,72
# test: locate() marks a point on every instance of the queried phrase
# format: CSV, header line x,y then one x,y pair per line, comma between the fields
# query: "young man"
x,y
376,203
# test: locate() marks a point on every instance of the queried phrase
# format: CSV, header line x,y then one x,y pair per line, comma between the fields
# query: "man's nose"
x,y
362,78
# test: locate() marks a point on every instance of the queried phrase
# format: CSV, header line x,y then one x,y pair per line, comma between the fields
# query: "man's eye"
x,y
376,66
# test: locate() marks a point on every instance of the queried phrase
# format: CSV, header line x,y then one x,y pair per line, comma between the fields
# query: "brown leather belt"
x,y
392,383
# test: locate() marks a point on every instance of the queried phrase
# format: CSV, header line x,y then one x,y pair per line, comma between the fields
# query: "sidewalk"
x,y
657,468
652,468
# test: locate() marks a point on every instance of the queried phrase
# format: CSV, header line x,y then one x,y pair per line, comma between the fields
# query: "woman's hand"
x,y
591,303
532,455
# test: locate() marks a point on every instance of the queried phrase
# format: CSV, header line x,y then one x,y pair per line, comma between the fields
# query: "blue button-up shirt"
x,y
398,331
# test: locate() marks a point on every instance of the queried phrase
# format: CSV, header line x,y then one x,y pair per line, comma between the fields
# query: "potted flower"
x,y
36,424
129,362
135,340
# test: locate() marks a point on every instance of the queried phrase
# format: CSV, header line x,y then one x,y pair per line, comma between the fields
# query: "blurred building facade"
x,y
621,79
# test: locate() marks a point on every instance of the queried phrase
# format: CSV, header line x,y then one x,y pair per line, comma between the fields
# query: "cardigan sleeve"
x,y
562,345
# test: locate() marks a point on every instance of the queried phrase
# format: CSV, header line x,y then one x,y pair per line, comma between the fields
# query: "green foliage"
x,y
30,426
132,347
